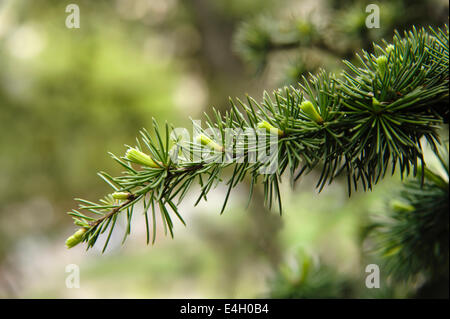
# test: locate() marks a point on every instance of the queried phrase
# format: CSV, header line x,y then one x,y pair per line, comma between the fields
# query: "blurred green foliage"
x,y
67,97
302,37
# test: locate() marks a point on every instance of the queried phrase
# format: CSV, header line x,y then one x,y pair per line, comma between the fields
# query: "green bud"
x,y
399,206
141,158
390,48
375,102
381,64
121,195
392,251
266,125
76,238
206,141
311,111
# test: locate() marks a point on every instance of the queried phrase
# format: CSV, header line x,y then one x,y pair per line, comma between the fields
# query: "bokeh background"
x,y
69,96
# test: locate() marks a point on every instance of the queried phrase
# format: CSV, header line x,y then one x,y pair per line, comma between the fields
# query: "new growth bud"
x,y
381,64
390,48
76,238
138,157
206,141
376,104
308,108
399,206
266,125
121,195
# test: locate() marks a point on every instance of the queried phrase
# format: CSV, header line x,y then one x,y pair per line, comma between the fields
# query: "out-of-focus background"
x,y
69,96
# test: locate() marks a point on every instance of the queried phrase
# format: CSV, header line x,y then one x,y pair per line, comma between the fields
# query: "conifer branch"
x,y
372,117
413,238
